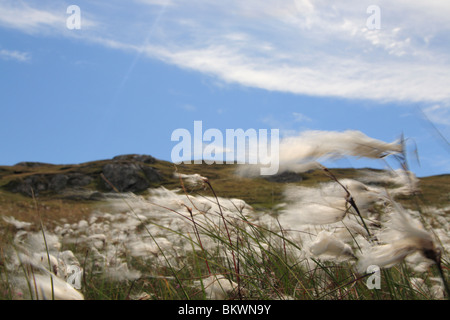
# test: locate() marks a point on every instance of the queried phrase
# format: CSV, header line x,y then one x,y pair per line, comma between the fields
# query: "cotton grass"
x,y
172,244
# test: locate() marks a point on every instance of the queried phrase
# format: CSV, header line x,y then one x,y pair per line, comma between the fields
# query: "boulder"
x,y
78,180
129,176
30,185
58,182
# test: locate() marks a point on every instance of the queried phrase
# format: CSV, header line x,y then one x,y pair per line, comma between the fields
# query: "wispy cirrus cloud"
x,y
317,48
156,2
300,117
312,48
15,55
439,114
21,16
39,17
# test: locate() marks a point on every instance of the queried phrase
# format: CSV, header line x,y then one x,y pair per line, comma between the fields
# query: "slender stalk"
x,y
197,234
226,228
348,198
45,242
195,225
150,234
441,273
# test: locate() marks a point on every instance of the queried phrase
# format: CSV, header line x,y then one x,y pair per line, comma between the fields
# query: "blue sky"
x,y
137,70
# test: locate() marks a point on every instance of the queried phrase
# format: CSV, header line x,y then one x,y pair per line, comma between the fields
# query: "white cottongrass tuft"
x,y
404,182
327,245
191,180
403,236
51,273
48,287
300,153
327,203
218,287
16,223
317,144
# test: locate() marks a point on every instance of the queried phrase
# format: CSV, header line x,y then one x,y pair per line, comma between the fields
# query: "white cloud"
x,y
327,76
19,15
318,51
14,55
157,2
320,48
189,107
48,19
299,117
439,114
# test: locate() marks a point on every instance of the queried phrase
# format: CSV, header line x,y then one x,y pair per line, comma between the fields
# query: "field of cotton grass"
x,y
321,242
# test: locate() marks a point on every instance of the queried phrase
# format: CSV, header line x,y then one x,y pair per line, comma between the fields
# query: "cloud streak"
x,y
19,15
300,46
15,55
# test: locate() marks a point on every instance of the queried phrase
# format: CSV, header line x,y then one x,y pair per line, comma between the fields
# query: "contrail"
x,y
139,52
433,126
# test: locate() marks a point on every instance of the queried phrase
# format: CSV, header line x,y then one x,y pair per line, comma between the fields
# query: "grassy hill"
x,y
70,194
261,193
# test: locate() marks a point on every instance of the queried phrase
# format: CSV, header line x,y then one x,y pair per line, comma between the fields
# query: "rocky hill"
x,y
126,173
137,173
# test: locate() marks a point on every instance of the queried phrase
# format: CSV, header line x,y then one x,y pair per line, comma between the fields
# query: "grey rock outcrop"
x,y
137,158
38,183
129,176
30,185
127,173
285,177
